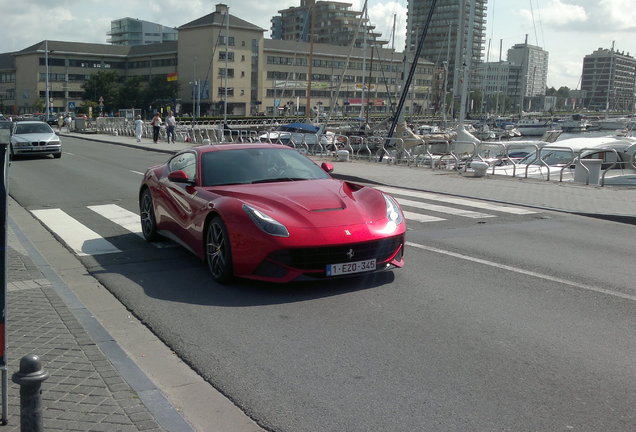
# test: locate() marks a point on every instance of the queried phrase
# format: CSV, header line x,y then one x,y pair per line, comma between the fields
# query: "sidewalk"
x,y
84,391
108,372
609,202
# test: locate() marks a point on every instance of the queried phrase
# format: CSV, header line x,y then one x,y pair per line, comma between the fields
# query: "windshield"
x,y
550,157
257,165
30,128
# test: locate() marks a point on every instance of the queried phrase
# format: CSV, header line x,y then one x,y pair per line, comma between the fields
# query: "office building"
x,y
534,68
131,31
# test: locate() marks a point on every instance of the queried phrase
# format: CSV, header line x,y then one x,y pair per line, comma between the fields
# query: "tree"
x,y
159,91
131,93
103,84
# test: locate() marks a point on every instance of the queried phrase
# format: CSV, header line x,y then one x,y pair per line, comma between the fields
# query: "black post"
x,y
4,260
30,378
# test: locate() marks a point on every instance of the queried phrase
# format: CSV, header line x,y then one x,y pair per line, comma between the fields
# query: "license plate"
x,y
350,267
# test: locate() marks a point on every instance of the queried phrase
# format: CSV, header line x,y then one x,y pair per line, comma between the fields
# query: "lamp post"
x,y
46,90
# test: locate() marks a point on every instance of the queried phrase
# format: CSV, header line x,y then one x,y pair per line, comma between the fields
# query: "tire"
x,y
57,155
147,214
218,254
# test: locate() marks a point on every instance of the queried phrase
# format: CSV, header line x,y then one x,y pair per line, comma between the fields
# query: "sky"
x,y
567,29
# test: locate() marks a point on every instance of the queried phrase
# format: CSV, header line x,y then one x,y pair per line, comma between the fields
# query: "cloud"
x,y
381,15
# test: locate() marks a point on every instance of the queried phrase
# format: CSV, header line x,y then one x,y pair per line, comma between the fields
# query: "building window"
x,y
223,92
230,73
230,56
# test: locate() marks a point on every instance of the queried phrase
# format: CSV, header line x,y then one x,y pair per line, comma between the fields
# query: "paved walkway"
x,y
95,386
84,392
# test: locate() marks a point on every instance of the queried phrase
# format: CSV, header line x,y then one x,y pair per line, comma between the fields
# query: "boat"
x,y
298,134
532,126
608,160
574,123
616,123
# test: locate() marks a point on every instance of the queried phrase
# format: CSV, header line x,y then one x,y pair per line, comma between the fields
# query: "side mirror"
x,y
326,166
179,176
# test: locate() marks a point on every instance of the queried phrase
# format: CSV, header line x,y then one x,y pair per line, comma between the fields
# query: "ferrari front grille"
x,y
317,258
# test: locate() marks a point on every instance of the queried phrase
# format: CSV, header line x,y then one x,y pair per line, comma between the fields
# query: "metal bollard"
x,y
30,378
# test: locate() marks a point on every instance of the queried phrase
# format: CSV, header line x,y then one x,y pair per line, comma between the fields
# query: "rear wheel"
x,y
218,254
148,221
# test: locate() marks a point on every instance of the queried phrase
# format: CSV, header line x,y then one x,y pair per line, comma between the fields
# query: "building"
x,y
70,65
500,86
330,22
534,68
220,59
345,80
608,80
447,35
222,64
132,31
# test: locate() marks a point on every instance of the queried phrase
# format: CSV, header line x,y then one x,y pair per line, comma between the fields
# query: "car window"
x,y
252,165
31,128
186,162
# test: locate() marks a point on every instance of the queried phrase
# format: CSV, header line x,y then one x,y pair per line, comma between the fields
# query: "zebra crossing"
x,y
84,241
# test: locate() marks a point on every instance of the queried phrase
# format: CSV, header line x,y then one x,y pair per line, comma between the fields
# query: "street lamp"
x,y
46,90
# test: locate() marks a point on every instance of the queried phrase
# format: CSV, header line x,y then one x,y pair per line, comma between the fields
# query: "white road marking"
x,y
126,219
420,217
457,201
525,272
78,237
120,216
443,209
136,172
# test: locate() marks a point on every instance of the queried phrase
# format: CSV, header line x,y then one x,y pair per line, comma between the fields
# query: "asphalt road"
x,y
518,323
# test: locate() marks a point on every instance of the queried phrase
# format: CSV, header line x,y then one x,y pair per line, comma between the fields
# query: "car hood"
x,y
317,203
35,137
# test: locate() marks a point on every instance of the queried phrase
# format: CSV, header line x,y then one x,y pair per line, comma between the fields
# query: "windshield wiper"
x,y
279,179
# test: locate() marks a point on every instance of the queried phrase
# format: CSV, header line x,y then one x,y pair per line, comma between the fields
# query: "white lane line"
x,y
120,216
420,217
136,172
524,272
443,209
77,236
458,201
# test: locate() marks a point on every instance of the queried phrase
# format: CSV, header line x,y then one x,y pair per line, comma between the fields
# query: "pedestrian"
x,y
156,126
67,122
139,128
60,123
171,124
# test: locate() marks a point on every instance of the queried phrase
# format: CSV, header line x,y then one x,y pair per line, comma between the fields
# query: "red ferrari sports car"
x,y
267,212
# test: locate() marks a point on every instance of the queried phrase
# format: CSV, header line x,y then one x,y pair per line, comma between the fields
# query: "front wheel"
x,y
147,213
218,254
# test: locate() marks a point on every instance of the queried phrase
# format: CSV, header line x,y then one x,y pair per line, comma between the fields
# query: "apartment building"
x,y
609,80
330,22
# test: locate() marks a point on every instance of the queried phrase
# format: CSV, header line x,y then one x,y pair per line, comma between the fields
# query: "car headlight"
x,y
393,213
266,223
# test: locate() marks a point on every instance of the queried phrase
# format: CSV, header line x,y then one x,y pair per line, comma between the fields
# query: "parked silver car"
x,y
34,138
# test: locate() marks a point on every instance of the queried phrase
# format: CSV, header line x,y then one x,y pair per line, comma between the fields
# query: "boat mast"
x,y
409,78
364,58
311,61
468,54
227,42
